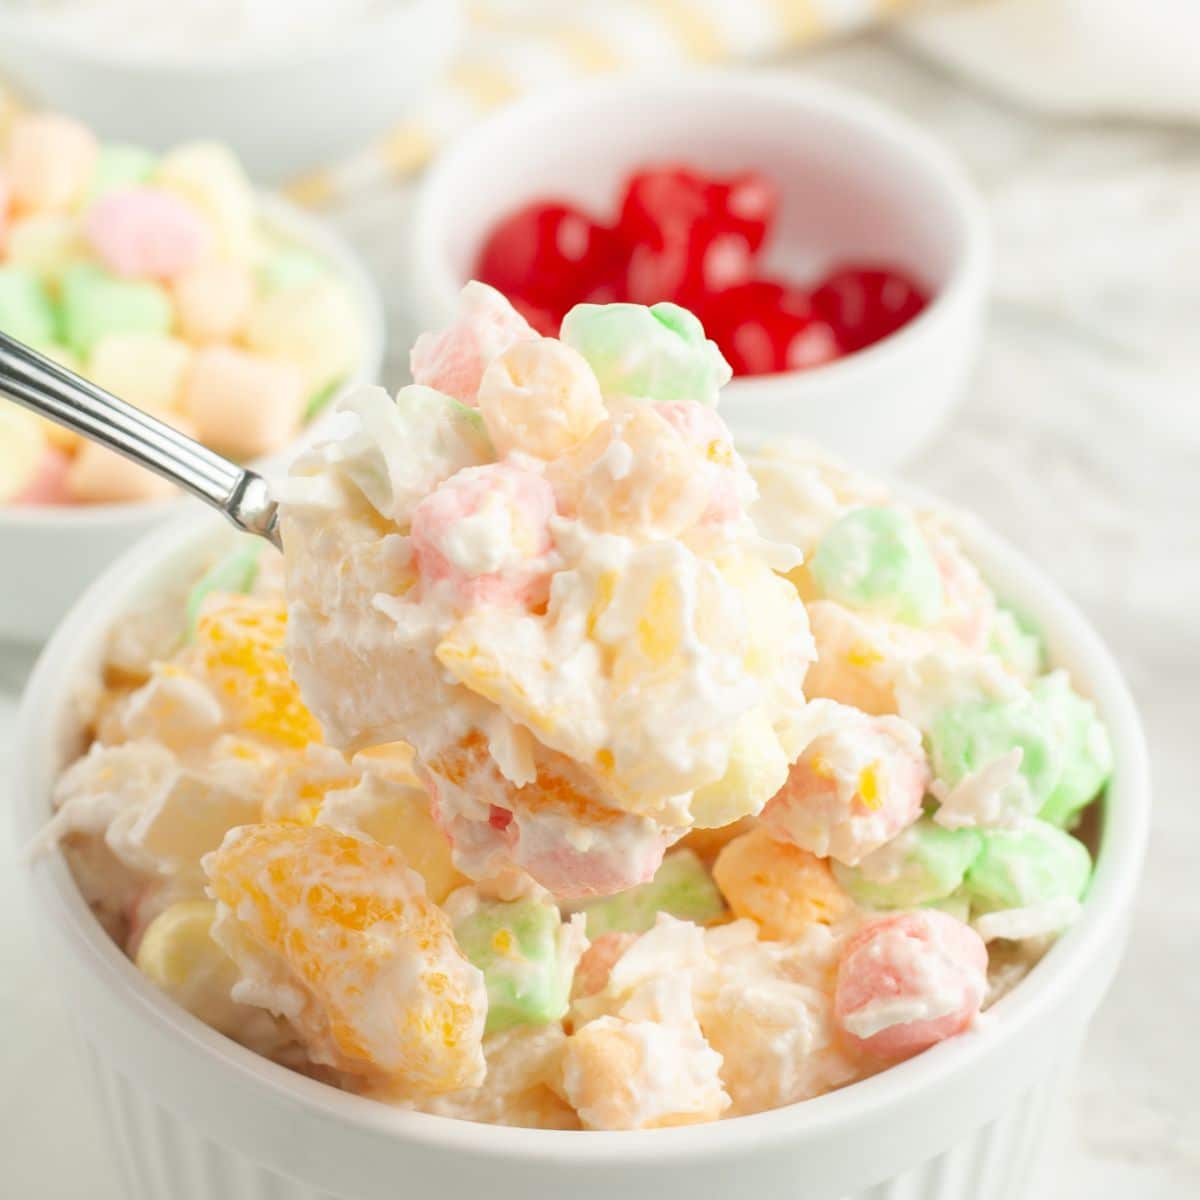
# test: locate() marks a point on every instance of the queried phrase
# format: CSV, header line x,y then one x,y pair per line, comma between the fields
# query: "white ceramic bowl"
x,y
194,1116
857,183
283,112
51,553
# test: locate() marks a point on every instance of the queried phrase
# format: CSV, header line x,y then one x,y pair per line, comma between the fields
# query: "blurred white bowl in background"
x,y
857,183
283,113
51,553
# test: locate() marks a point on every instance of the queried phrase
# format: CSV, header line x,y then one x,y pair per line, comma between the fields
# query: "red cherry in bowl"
x,y
546,254
745,204
660,201
863,305
764,327
689,264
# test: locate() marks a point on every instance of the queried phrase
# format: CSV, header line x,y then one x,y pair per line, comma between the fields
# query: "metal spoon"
x,y
52,391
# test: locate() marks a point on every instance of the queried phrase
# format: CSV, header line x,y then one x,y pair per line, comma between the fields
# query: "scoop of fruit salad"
x,y
536,566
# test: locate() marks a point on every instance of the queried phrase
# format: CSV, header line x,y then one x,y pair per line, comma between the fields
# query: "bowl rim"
x,y
434,284
53,686
283,217
217,64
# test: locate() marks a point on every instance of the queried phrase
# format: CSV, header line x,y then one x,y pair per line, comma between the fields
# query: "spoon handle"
x,y
67,399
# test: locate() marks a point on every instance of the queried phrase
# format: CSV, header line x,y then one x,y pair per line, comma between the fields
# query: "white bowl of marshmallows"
x,y
170,282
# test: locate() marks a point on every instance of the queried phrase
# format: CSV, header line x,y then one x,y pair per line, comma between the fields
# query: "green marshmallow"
x,y
120,166
967,737
1031,865
289,266
1016,644
26,310
516,946
924,864
652,354
877,559
95,303
319,400
233,572
1085,749
681,887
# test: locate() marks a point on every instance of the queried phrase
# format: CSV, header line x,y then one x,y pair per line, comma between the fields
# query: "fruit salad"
x,y
156,278
570,770
696,240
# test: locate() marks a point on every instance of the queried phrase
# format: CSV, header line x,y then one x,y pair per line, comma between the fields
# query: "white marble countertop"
x,y
1079,440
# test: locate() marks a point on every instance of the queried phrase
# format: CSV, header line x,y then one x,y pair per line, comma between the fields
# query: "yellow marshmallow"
x,y
178,954
22,443
213,300
314,325
757,769
145,369
45,243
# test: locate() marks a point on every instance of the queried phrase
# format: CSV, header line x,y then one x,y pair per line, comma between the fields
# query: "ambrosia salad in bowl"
x,y
570,770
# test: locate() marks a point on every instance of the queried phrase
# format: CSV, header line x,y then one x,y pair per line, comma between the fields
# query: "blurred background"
x,y
1075,432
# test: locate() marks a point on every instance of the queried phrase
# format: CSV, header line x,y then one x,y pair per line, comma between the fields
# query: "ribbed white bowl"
x,y
192,1116
163,1156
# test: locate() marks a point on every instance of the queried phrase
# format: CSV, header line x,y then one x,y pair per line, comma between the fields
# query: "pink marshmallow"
x,y
705,432
907,981
968,603
50,162
525,831
49,482
146,233
453,360
851,790
485,532
617,855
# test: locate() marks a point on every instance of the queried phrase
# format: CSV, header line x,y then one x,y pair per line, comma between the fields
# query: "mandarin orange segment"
x,y
783,888
239,649
345,925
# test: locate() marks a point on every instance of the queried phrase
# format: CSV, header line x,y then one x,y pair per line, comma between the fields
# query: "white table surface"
x,y
1080,440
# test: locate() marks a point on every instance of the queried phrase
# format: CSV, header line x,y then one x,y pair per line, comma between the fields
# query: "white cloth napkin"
x,y
1137,58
